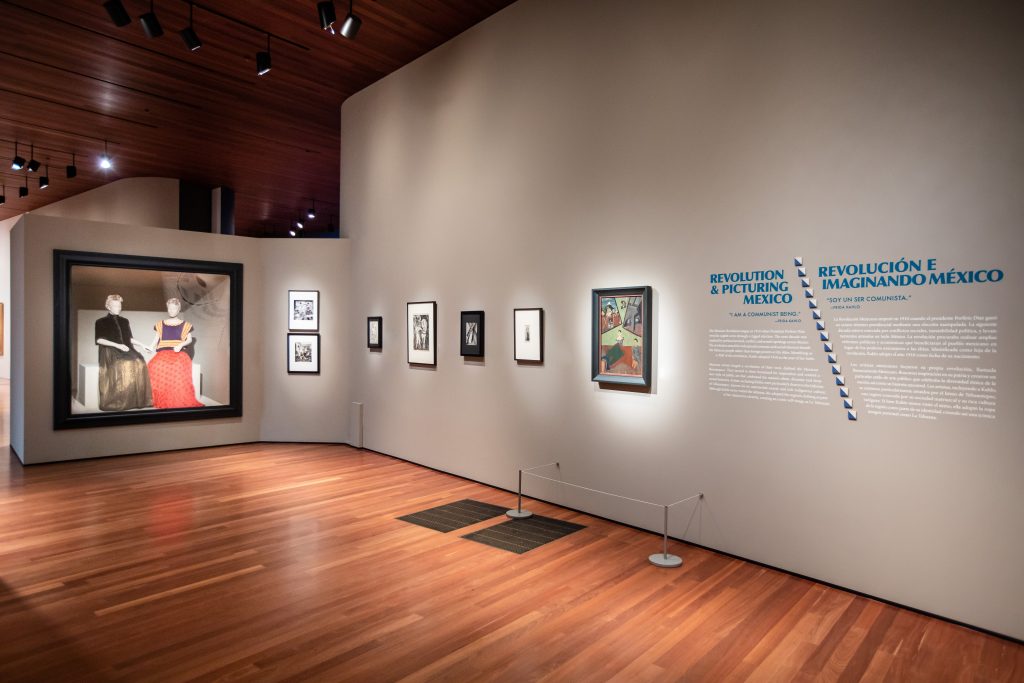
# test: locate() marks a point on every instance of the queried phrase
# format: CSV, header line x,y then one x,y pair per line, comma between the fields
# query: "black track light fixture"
x,y
44,180
106,163
189,34
23,191
18,162
311,214
3,195
150,24
72,169
351,25
117,12
292,233
327,15
299,225
263,60
33,164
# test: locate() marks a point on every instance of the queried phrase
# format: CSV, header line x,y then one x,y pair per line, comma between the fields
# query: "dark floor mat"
x,y
455,515
521,535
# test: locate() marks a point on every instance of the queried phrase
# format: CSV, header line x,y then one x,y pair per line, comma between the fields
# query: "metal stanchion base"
x,y
519,514
663,560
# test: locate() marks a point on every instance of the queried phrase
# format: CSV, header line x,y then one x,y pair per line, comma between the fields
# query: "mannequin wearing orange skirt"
x,y
170,369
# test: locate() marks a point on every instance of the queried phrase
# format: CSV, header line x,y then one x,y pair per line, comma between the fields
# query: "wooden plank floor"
x,y
286,563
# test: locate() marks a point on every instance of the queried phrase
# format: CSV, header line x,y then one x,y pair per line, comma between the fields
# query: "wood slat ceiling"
x,y
70,79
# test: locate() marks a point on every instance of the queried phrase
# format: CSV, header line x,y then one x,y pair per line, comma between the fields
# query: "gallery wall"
x,y
298,405
564,145
5,293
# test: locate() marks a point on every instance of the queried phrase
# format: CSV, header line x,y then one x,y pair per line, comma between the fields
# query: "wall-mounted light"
x,y
18,162
150,24
44,180
33,164
263,60
350,27
189,34
117,13
71,169
106,163
327,15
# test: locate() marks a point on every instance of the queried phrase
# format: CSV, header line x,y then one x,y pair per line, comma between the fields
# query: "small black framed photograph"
x,y
471,333
303,354
621,336
303,310
140,339
374,330
528,327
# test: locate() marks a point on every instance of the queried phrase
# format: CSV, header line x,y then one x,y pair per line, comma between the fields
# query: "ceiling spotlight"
x,y
72,170
106,163
189,34
44,180
150,24
298,224
18,162
263,60
351,25
3,195
292,233
327,15
117,13
33,165
23,191
311,214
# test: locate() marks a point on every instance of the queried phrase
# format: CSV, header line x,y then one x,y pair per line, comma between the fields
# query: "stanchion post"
x,y
519,512
663,559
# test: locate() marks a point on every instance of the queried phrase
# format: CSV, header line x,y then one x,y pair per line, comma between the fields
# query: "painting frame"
x,y
308,320
421,345
296,366
531,350
471,350
624,322
64,336
370,322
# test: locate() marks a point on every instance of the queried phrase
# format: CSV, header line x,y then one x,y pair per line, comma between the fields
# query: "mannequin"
x,y
124,378
170,368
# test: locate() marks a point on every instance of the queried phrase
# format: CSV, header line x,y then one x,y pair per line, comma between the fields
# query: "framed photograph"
x,y
303,310
471,333
528,324
303,354
142,339
621,336
421,328
374,329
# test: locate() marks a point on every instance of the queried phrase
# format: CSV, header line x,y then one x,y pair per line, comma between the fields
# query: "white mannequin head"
x,y
114,304
173,307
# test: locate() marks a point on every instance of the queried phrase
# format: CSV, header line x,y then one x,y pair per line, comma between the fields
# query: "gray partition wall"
x,y
745,160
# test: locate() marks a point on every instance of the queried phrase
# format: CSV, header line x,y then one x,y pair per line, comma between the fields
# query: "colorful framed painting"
x,y
621,346
303,310
374,332
471,333
142,339
303,354
528,327
421,330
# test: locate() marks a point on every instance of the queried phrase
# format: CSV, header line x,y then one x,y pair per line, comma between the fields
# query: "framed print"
x,y
141,339
303,354
303,310
528,324
374,328
471,333
621,336
421,328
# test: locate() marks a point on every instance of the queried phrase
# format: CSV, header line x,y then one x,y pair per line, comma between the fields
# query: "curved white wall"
x,y
564,145
150,202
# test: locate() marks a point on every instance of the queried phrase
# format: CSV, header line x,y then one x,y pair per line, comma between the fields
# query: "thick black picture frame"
x,y
595,344
380,332
288,353
476,351
515,340
63,261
